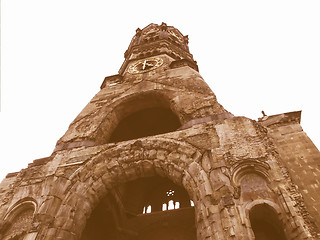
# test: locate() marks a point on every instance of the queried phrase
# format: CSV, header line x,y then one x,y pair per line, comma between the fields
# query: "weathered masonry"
x,y
155,156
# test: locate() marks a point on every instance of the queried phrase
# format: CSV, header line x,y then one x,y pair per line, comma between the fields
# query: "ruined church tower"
x,y
155,156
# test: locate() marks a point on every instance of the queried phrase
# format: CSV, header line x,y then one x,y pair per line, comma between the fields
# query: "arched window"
x,y
254,186
265,223
162,209
142,116
18,221
146,122
164,196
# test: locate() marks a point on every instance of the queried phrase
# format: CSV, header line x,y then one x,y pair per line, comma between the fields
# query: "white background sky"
x,y
255,55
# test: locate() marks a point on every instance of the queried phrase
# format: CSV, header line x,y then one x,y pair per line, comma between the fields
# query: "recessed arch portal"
x,y
143,115
146,122
120,213
111,167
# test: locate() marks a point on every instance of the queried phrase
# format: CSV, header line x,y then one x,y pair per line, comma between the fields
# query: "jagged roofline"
x,y
151,25
169,27
176,41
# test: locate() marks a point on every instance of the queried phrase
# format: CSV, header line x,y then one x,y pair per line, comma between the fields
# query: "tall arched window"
x,y
265,223
166,196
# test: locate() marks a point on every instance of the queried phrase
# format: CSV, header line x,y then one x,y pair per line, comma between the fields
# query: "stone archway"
x,y
135,210
18,220
127,161
139,114
262,210
265,222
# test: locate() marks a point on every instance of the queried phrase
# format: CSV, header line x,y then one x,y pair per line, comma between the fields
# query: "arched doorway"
x,y
265,223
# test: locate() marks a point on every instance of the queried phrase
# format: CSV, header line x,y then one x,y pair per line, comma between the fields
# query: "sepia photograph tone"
x,y
141,120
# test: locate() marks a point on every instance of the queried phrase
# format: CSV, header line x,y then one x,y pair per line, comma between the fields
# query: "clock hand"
x,y
144,64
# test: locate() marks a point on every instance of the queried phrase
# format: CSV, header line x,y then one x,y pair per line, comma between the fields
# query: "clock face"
x,y
145,65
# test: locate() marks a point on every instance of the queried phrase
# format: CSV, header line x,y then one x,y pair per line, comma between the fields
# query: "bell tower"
x,y
154,155
155,40
158,89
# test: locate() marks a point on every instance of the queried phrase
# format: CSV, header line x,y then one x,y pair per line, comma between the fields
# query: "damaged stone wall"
x,y
233,168
226,174
300,160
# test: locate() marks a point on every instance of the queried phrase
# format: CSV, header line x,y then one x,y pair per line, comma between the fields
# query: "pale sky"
x,y
255,55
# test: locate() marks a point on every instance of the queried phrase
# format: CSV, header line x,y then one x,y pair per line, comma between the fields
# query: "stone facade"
x,y
155,156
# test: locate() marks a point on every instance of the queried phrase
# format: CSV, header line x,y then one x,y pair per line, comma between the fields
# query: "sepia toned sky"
x,y
255,55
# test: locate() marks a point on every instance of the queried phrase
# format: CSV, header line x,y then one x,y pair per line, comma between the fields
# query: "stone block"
x,y
161,154
150,154
65,235
50,206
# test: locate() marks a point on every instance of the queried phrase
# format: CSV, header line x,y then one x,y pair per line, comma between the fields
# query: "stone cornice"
x,y
281,119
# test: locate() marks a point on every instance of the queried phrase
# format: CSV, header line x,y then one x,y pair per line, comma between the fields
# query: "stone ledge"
x,y
111,80
281,119
184,62
40,161
70,145
211,118
13,174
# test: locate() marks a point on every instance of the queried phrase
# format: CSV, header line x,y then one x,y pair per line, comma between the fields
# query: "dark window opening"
x,y
265,223
146,122
148,195
155,194
163,209
119,215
